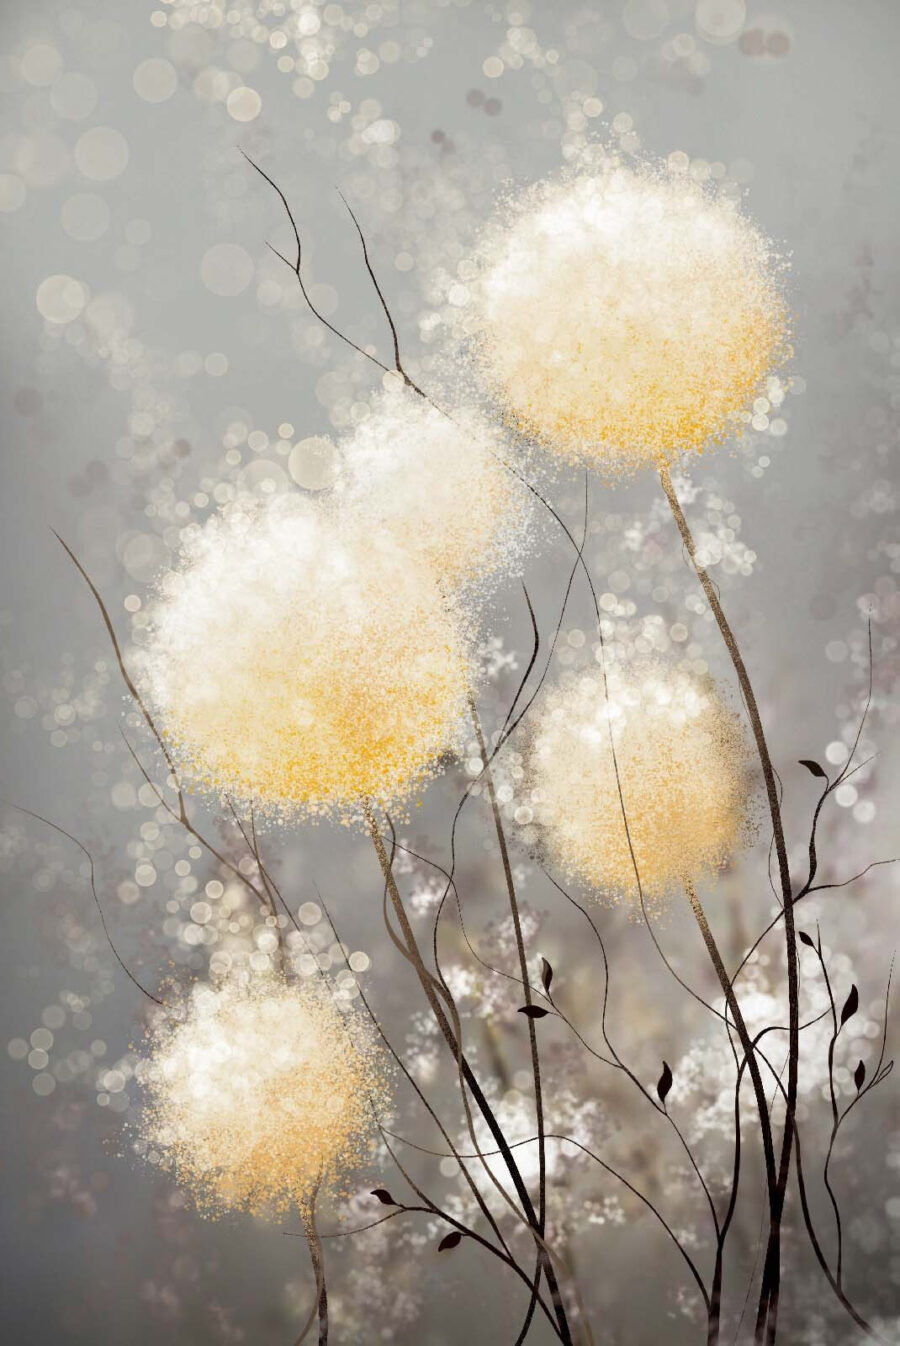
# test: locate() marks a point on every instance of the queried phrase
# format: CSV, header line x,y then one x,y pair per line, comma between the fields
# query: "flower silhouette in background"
x,y
299,663
259,1093
437,484
680,759
625,317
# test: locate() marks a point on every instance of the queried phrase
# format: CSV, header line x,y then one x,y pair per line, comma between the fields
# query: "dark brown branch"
x,y
430,986
569,1140
296,265
308,1216
398,364
90,859
768,1302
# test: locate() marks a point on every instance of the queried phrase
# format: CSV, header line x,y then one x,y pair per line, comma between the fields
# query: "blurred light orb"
x,y
42,159
627,317
682,759
258,1092
226,269
12,192
41,64
60,299
720,20
155,80
85,217
312,463
101,153
299,664
243,104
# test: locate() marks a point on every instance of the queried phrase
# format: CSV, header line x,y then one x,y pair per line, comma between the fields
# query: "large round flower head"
x,y
258,1093
297,663
625,317
436,483
682,764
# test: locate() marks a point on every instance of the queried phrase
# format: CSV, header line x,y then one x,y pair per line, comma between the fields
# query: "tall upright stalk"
x,y
523,962
428,984
314,1243
523,973
767,1313
753,1066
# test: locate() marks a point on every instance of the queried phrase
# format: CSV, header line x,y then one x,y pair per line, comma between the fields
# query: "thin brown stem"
x,y
523,970
767,1315
762,1104
429,985
314,1243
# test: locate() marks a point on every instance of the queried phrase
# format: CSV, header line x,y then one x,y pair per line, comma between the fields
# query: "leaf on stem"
x,y
383,1196
859,1076
813,768
851,1005
664,1084
533,1011
546,975
449,1241
804,938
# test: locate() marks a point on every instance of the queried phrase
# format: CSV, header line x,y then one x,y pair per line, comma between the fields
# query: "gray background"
x,y
92,1249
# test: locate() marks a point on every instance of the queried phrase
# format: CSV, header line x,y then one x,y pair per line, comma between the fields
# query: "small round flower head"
x,y
625,317
298,664
257,1093
682,763
438,485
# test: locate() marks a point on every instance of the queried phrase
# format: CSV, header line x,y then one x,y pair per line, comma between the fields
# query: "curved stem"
x,y
766,1321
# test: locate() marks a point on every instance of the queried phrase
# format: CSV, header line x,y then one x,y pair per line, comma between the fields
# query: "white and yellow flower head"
x,y
300,664
258,1093
437,483
625,317
682,760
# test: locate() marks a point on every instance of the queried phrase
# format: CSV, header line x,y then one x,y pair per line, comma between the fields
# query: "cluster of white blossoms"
x,y
624,317
316,653
665,752
258,1093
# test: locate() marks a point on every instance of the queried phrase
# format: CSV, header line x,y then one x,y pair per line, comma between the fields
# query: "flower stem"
x,y
767,1314
753,1066
314,1243
523,969
428,982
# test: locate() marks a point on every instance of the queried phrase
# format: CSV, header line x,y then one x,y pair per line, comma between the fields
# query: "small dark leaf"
x,y
664,1083
449,1241
546,975
859,1076
383,1196
533,1011
805,938
813,768
851,1005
